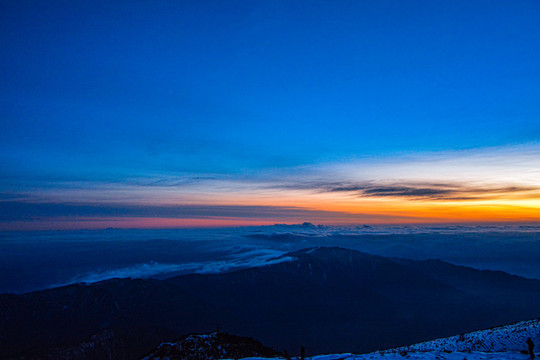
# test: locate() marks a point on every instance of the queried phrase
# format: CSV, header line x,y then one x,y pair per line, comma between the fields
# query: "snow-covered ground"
x,y
434,355
504,342
503,338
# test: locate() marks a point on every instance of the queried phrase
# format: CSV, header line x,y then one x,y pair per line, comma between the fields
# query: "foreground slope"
x,y
328,299
434,355
498,339
504,342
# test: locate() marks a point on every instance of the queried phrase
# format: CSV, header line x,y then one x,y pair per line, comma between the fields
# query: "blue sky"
x,y
103,92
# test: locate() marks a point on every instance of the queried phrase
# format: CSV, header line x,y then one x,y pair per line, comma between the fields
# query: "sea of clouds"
x,y
37,260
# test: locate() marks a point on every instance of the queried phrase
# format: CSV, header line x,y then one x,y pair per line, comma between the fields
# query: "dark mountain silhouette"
x,y
118,344
328,299
212,346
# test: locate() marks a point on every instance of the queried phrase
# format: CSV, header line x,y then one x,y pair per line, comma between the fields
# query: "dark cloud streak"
x,y
21,211
417,191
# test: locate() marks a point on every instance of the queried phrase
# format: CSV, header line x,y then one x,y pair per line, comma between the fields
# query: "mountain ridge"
x,y
329,299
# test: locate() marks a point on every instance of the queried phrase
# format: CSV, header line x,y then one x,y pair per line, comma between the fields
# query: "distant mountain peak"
x,y
328,252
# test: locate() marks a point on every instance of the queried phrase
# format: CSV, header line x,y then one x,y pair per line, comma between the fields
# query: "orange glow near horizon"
x,y
483,186
328,211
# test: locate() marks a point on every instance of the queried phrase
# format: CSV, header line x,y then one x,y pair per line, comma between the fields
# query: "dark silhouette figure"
x,y
530,343
286,355
303,352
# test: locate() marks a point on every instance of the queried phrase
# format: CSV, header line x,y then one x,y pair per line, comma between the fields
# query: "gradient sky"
x,y
213,113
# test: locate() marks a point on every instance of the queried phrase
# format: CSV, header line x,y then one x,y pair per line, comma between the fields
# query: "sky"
x,y
147,114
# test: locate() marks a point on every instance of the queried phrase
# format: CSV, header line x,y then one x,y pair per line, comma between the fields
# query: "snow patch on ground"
x,y
434,355
503,338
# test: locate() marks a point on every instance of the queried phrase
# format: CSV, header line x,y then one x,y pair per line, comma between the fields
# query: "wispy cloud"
x,y
144,270
25,211
20,210
442,192
10,196
247,259
478,174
